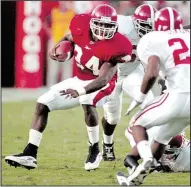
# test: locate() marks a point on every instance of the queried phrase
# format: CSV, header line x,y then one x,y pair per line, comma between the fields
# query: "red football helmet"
x,y
168,18
175,145
143,18
103,23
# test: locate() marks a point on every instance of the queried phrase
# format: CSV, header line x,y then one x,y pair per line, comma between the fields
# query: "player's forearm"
x,y
96,84
151,74
147,83
107,71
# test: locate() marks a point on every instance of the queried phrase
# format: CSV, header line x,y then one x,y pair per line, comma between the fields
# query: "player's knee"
x,y
41,109
113,119
132,121
129,136
48,99
90,114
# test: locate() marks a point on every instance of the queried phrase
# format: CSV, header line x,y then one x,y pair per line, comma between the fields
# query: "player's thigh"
x,y
112,109
168,131
55,101
151,134
159,112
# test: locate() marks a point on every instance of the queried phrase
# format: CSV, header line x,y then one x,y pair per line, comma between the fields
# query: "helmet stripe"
x,y
152,11
171,14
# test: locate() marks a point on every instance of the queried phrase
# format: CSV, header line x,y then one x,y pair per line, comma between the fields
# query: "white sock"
x,y
107,139
35,137
93,134
144,150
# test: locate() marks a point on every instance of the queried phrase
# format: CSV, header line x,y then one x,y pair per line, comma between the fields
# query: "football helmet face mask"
x,y
168,19
103,23
175,145
143,19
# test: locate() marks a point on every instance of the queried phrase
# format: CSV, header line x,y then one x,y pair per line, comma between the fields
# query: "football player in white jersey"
x,y
166,49
176,157
130,75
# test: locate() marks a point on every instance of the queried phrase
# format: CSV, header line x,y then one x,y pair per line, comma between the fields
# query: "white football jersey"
x,y
126,28
173,49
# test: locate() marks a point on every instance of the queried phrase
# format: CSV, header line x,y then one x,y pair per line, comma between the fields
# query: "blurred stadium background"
x,y
29,30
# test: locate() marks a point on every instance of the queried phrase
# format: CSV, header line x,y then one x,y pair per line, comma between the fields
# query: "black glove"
x,y
161,83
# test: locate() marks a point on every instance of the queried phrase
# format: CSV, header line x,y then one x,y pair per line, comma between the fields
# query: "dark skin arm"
x,y
151,74
107,71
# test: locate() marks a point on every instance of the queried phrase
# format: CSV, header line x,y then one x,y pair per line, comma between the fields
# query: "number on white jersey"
x,y
181,53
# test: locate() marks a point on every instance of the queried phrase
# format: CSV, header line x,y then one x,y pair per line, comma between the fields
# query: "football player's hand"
x,y
136,102
161,83
132,106
70,92
52,54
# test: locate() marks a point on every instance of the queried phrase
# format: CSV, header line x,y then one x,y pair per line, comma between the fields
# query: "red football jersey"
x,y
90,55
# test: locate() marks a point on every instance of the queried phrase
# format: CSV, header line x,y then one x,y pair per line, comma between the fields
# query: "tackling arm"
x,y
151,58
151,74
107,71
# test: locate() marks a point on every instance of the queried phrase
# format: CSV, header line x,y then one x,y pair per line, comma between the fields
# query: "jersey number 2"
x,y
180,54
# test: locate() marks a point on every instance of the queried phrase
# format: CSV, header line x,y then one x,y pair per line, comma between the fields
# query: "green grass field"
x,y
64,149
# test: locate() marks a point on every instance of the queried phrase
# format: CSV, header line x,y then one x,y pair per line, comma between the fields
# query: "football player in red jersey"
x,y
98,47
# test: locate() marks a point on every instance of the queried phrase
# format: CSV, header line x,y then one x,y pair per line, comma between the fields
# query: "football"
x,y
64,51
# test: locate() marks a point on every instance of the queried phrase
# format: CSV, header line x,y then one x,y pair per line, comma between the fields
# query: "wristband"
x,y
81,91
140,97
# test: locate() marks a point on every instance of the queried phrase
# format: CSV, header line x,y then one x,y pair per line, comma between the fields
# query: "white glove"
x,y
136,102
132,106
